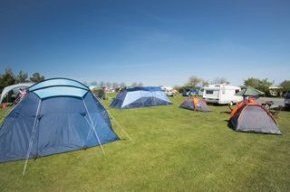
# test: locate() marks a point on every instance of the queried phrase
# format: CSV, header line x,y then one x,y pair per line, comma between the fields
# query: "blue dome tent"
x,y
57,115
140,97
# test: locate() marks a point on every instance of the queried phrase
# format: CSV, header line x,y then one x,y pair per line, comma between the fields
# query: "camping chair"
x,y
230,106
267,104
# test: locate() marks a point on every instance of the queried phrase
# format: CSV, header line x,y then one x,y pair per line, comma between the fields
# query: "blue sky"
x,y
157,42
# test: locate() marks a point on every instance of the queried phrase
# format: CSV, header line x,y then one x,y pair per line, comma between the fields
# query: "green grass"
x,y
172,149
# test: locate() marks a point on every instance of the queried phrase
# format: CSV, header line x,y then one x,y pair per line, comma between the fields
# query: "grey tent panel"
x,y
254,118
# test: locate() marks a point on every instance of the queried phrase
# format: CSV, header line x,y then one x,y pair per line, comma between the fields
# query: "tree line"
x,y
260,84
9,78
195,82
264,84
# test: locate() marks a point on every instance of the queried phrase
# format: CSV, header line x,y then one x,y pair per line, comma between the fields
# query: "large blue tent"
x,y
140,97
57,115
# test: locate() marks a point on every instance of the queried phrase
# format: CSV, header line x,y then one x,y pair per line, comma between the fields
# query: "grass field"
x,y
172,149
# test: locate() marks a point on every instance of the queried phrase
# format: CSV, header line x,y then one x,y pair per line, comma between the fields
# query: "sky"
x,y
157,42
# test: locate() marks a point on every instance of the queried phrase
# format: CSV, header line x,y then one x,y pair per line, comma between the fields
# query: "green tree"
x,y
264,85
286,85
260,84
253,82
194,81
220,80
36,77
21,77
7,78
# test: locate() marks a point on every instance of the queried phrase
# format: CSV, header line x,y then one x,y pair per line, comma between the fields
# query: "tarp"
x,y
42,124
249,91
7,89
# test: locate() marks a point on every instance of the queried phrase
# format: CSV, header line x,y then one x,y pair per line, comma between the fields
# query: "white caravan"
x,y
169,91
222,94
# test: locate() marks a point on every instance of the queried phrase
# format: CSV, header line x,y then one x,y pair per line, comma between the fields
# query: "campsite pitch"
x,y
172,149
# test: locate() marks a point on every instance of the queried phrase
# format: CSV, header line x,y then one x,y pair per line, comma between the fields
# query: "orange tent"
x,y
241,105
249,116
195,104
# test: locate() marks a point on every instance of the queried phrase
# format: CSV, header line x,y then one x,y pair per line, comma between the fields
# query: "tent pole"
x,y
94,128
31,138
118,124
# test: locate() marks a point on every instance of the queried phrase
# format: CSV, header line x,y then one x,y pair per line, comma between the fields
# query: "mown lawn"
x,y
172,149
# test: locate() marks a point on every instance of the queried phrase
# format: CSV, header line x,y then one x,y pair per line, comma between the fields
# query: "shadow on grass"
x,y
226,112
231,126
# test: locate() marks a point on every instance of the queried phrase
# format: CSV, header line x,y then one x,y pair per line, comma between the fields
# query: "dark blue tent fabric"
x,y
16,130
187,104
140,97
41,127
144,89
118,101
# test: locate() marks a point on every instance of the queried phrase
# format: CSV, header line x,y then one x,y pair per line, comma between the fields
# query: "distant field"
x,y
172,149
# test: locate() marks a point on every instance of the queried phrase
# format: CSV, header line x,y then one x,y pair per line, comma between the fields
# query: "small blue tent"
x,y
140,97
57,115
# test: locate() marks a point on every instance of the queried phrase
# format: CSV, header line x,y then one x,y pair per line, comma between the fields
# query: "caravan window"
x,y
209,91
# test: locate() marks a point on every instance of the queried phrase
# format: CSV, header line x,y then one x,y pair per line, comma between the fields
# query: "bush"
x,y
100,93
